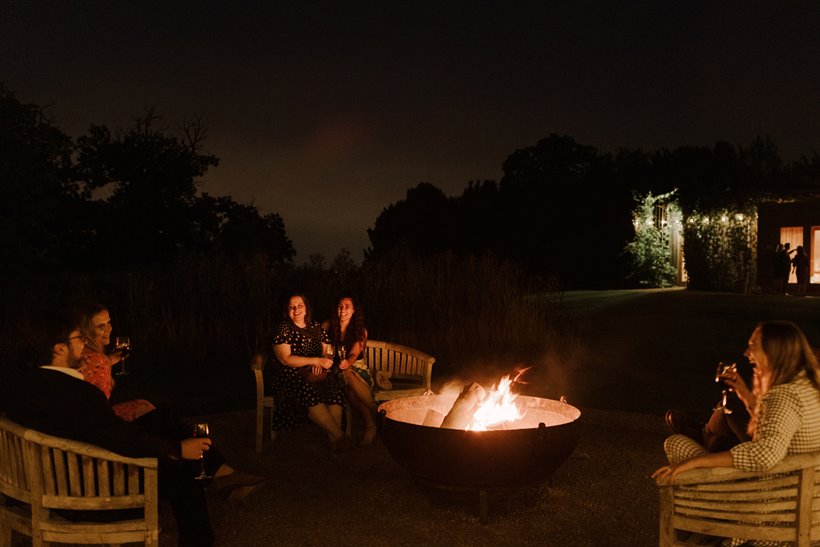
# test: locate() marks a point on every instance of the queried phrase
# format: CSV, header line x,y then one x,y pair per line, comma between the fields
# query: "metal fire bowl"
x,y
478,459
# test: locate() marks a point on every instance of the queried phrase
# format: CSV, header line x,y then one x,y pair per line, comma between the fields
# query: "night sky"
x,y
327,112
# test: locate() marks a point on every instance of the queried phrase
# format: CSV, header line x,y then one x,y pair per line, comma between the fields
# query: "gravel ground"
x,y
601,496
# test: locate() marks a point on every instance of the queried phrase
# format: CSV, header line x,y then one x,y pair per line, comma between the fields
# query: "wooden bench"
x,y
410,373
43,476
780,504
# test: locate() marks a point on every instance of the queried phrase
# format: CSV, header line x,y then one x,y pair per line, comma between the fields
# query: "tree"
x,y
421,221
150,179
38,200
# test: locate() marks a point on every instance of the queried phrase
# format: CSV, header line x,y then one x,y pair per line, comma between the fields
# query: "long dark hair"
x,y
356,331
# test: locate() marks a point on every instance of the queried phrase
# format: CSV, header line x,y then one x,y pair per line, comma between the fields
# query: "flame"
x,y
496,408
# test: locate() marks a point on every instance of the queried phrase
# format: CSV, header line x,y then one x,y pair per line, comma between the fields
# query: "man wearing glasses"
x,y
55,399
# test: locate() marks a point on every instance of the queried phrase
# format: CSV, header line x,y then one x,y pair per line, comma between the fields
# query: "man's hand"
x,y
194,448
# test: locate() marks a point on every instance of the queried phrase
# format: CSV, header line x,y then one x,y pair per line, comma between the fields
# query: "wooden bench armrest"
x,y
709,475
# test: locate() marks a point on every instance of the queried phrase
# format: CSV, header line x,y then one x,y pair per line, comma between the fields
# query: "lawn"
x,y
650,350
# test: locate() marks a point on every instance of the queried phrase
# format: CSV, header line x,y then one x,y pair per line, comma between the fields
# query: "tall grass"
x,y
195,324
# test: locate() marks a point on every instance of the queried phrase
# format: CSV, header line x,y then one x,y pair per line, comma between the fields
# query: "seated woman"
x,y
96,368
347,332
785,416
299,343
95,327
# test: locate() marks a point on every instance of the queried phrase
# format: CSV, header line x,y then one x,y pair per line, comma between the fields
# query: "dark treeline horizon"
x,y
562,210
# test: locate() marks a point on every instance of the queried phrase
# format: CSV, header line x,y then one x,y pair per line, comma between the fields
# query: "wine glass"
x,y
342,353
201,431
722,370
122,344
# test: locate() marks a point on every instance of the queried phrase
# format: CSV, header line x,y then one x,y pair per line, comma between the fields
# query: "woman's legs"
x,y
358,394
323,416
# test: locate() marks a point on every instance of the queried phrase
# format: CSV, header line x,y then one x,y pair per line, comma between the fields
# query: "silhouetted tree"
x,y
421,221
38,200
150,178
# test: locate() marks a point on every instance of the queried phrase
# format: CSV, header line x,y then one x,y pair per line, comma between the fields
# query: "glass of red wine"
x,y
201,431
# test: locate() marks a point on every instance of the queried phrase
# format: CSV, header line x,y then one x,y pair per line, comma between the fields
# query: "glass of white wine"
x,y
722,370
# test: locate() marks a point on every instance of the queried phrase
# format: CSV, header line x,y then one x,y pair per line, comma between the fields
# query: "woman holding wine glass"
x,y
348,333
784,407
97,364
300,344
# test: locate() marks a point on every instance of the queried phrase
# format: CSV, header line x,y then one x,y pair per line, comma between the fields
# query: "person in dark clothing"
x,y
54,399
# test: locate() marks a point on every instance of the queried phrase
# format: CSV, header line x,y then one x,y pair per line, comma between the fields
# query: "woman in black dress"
x,y
300,342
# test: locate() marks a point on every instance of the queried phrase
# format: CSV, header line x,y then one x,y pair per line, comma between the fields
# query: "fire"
x,y
497,407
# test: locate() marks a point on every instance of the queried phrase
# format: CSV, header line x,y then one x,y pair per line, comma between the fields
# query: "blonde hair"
x,y
789,354
87,328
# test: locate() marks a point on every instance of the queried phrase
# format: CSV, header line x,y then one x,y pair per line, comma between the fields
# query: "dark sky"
x,y
327,112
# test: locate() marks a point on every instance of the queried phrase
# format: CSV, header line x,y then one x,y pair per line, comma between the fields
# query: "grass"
x,y
649,350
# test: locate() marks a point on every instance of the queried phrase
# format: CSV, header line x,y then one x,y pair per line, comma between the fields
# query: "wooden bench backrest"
x,y
400,360
775,505
72,475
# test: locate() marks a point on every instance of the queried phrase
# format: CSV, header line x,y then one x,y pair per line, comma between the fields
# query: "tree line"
x,y
562,209
116,199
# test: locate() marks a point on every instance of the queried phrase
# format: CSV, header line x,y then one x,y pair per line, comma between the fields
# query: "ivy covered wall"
x,y
720,249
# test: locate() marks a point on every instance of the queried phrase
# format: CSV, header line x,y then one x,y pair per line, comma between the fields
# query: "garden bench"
x,y
409,370
44,479
779,504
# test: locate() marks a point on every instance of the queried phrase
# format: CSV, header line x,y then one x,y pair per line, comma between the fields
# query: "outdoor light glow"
x,y
724,218
739,217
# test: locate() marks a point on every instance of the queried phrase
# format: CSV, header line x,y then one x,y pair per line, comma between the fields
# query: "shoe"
x,y
683,424
228,485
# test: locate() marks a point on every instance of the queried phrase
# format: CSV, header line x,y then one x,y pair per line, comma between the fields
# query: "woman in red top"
x,y
96,368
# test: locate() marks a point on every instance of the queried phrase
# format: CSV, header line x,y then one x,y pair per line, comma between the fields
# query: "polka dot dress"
x,y
292,394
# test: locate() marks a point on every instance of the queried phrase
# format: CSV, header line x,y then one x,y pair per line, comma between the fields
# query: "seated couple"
x,y
51,396
304,350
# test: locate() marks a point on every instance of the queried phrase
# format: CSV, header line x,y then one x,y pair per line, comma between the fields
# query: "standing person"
x,y
800,264
347,331
785,416
96,368
300,342
784,267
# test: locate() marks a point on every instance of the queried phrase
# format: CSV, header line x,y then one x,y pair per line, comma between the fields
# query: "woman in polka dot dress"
x,y
301,342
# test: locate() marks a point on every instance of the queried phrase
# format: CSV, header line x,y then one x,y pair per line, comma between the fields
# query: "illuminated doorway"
x,y
793,235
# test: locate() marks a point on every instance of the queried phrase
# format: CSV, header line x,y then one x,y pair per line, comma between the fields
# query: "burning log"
x,y
462,412
433,418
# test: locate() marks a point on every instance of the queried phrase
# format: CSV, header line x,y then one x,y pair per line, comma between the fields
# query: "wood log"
x,y
462,411
433,418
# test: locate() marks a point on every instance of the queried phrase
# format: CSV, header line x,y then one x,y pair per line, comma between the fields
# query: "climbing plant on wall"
x,y
649,252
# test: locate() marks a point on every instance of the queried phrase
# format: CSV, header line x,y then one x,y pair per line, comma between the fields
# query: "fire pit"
x,y
527,450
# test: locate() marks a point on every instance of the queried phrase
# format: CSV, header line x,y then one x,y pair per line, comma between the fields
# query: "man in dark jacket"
x,y
56,400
